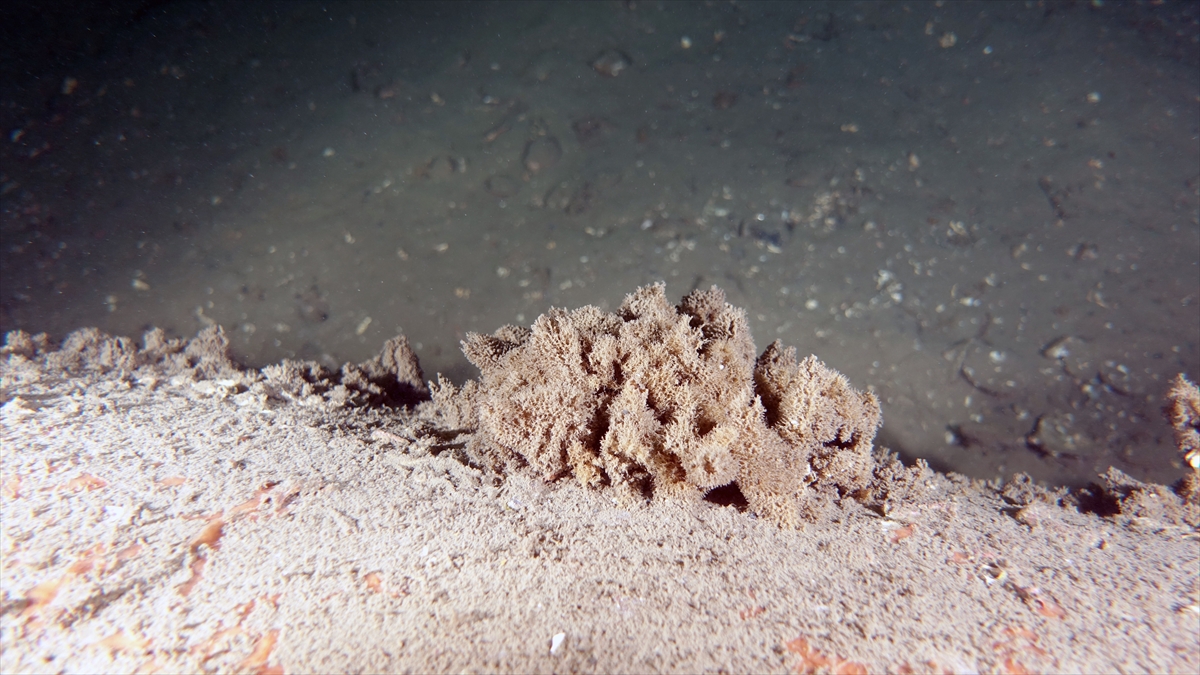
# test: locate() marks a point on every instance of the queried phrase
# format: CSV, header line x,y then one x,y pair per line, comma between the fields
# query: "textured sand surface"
x,y
178,515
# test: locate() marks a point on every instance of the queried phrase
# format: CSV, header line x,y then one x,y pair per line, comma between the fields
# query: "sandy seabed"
x,y
166,511
986,213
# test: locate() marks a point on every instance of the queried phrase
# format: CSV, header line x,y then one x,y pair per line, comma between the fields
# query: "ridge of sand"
x,y
165,511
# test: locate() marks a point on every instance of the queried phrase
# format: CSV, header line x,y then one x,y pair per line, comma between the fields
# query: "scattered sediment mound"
x,y
166,469
654,400
392,378
664,401
90,351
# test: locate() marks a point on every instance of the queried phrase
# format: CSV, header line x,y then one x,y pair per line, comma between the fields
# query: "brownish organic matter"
x,y
611,62
724,100
1184,414
668,401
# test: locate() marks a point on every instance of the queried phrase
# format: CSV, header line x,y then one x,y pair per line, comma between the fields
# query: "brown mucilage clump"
x,y
669,401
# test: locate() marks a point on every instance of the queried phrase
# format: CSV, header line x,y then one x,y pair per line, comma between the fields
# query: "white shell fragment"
x,y
556,642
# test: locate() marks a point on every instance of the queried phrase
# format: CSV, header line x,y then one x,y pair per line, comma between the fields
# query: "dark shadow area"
x,y
1096,500
727,495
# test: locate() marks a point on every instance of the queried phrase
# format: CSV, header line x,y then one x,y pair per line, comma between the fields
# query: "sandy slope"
x,y
163,511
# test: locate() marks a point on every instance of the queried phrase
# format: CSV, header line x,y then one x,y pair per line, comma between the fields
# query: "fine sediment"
x,y
166,509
